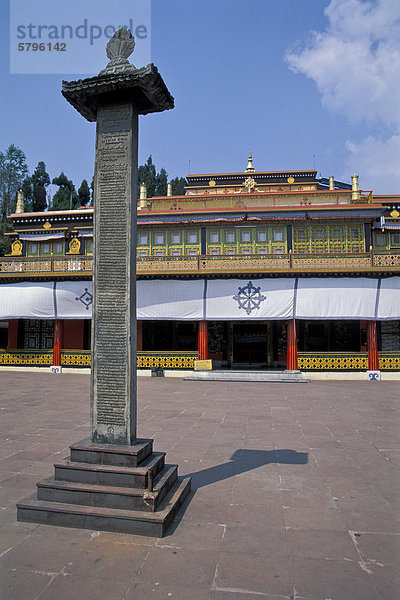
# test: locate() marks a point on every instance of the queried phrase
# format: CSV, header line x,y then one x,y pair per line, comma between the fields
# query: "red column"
x,y
203,340
291,359
372,346
58,342
139,336
12,342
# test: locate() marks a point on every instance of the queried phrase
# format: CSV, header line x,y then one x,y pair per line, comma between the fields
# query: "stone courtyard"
x,y
295,492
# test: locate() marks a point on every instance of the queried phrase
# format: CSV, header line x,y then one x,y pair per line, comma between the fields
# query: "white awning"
x,y
216,299
31,237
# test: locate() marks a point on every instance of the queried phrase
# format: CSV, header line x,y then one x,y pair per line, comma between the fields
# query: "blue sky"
x,y
286,79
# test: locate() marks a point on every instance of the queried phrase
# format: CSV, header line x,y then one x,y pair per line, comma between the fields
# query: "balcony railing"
x,y
11,267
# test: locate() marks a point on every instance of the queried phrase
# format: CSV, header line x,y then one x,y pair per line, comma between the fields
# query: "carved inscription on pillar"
x,y
113,379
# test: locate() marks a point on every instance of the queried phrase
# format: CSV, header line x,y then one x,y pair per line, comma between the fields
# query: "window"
x,y
380,239
246,251
230,236
58,247
337,234
395,239
214,237
262,236
278,235
319,234
192,253
245,236
143,239
176,238
301,235
278,250
45,248
158,253
175,253
159,238
142,253
32,248
262,251
230,252
214,252
192,237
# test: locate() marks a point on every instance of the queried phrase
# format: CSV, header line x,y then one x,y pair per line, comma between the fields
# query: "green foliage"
x,y
157,182
178,186
27,191
84,193
147,174
66,196
161,183
13,170
40,180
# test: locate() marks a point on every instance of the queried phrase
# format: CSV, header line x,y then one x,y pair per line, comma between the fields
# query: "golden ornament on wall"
x,y
47,225
74,246
395,213
211,182
16,248
290,179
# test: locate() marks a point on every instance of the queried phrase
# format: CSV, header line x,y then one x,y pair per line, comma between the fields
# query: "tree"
x,y
27,191
147,174
66,196
92,192
161,183
40,180
178,186
84,193
13,170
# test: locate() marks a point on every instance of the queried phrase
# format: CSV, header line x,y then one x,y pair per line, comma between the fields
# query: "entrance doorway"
x,y
252,344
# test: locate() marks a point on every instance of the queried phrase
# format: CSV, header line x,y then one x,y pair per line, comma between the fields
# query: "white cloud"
x,y
355,64
378,161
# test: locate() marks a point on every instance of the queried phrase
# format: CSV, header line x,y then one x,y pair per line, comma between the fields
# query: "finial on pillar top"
x,y
118,48
20,202
250,168
169,189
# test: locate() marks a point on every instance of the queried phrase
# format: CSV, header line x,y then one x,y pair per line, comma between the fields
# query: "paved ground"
x,y
295,493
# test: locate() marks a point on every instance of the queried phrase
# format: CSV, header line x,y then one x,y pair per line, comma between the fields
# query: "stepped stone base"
x,y
264,376
125,489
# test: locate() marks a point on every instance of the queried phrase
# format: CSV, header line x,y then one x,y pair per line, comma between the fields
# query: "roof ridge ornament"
x,y
118,48
250,168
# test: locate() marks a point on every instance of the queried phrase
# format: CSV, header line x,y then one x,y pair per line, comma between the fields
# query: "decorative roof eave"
x,y
146,84
51,213
242,173
243,195
376,208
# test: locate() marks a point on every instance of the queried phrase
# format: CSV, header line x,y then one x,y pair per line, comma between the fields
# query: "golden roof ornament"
x,y
20,202
249,184
250,168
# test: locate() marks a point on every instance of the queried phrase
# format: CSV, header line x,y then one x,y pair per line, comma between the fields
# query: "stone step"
x,y
110,475
256,376
123,498
106,519
107,454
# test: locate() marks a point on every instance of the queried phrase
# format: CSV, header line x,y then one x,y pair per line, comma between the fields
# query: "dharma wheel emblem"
x,y
86,298
249,298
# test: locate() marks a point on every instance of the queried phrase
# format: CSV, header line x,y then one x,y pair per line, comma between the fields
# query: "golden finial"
x,y
250,168
20,202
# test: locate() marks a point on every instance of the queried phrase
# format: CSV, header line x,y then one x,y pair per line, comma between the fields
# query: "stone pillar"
x,y
203,340
372,346
113,389
291,346
139,336
58,342
114,99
